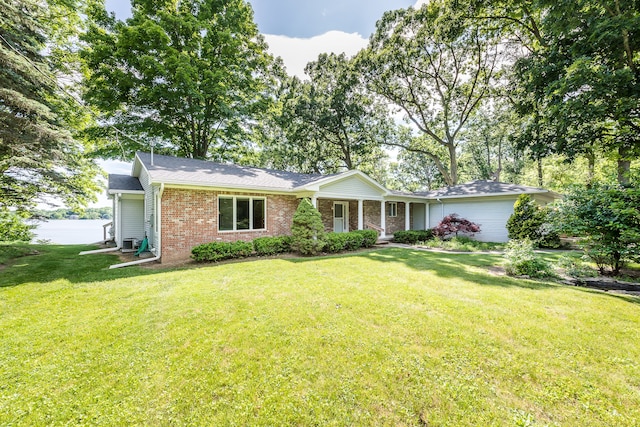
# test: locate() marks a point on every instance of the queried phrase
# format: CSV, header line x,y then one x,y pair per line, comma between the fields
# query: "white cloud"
x,y
297,52
420,3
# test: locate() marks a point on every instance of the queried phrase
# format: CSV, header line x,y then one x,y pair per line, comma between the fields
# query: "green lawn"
x,y
387,337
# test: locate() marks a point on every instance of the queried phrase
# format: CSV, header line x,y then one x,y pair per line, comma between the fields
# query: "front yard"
x,y
384,337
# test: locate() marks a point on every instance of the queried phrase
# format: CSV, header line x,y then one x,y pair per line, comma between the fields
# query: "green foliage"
x,y
39,157
272,245
13,227
328,123
462,244
416,59
411,237
531,221
607,221
369,237
62,213
521,260
307,230
337,242
575,267
189,75
218,251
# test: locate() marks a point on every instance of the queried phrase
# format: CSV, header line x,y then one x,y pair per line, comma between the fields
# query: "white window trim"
x,y
393,209
235,224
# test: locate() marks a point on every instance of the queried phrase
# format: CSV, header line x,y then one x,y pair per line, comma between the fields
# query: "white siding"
x,y
148,206
491,215
132,218
352,186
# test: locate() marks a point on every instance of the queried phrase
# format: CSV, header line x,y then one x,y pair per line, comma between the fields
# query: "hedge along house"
x,y
178,203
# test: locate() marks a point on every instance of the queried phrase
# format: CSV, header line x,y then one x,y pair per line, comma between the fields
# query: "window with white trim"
x,y
237,213
393,209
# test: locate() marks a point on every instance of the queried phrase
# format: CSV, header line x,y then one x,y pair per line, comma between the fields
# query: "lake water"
x,y
71,231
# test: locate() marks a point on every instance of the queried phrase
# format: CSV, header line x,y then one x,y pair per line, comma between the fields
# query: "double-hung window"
x,y
393,209
241,213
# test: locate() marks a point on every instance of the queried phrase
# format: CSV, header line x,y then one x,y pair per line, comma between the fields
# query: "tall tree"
x,y
330,122
435,70
187,75
578,76
39,157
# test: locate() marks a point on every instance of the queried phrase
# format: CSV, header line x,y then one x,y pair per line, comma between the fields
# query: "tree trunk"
x,y
624,166
540,180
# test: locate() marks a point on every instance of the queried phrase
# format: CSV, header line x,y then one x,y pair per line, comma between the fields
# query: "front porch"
x,y
386,217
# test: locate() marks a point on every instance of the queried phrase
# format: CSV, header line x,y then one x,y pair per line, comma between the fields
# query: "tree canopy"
x,y
188,76
436,71
39,157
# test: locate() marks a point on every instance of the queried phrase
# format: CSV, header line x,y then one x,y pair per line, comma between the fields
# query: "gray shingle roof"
x,y
124,183
481,188
179,170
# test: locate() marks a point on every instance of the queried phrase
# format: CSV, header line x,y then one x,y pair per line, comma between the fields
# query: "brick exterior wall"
x,y
190,218
395,223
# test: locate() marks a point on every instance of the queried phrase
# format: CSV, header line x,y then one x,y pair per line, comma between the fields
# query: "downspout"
x,y
441,207
157,257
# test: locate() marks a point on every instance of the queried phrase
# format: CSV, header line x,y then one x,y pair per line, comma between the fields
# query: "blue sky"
x,y
299,30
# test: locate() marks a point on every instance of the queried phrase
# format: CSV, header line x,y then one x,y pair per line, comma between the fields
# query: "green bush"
x,y
307,230
335,242
272,245
575,267
533,222
13,228
351,241
607,221
217,251
411,237
370,237
522,260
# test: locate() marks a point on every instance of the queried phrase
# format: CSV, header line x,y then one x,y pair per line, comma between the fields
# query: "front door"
x,y
340,217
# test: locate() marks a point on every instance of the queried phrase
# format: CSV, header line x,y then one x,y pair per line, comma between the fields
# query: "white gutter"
x,y
139,261
99,251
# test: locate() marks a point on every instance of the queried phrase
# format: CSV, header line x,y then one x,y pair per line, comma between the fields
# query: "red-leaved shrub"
x,y
453,224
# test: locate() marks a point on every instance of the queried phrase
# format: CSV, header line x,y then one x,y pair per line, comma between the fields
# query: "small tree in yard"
x,y
607,221
307,230
453,224
530,221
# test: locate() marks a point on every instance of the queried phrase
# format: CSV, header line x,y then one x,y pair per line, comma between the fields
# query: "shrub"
x,y
530,221
272,245
351,241
369,237
575,267
607,221
217,251
307,230
453,224
13,228
522,260
335,242
411,237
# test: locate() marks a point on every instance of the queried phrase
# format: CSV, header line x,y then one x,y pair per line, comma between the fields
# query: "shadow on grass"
x,y
47,263
452,266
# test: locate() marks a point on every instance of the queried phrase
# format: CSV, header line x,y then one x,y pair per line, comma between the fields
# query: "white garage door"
x,y
491,215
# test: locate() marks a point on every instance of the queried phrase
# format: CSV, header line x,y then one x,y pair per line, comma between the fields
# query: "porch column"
x,y
314,201
426,216
360,214
407,215
383,218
